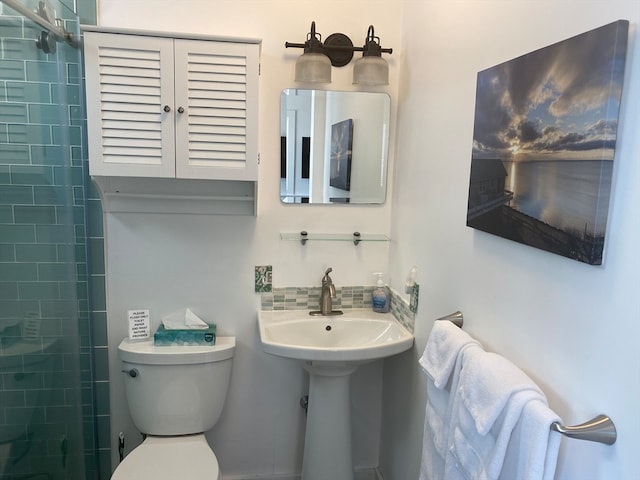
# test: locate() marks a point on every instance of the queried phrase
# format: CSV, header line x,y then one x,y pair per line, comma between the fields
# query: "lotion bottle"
x,y
380,296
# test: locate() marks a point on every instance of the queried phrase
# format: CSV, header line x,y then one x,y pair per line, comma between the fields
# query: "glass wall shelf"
x,y
355,237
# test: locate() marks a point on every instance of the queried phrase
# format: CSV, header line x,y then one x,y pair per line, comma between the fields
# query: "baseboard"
x,y
360,474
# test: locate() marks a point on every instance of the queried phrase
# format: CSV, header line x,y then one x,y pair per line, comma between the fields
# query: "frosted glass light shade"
x,y
371,70
313,68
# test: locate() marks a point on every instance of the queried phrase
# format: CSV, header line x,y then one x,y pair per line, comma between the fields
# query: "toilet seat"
x,y
187,457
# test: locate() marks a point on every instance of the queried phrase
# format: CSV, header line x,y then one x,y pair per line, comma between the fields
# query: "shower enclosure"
x,y
47,413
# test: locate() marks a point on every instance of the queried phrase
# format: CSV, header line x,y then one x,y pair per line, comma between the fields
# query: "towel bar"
x,y
456,318
600,429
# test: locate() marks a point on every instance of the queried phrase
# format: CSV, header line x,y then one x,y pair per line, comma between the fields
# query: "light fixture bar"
x,y
337,44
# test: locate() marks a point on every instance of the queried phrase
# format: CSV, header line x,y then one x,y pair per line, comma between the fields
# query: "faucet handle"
x,y
326,277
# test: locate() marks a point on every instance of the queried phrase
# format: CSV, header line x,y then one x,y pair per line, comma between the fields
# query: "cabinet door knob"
x,y
167,108
180,110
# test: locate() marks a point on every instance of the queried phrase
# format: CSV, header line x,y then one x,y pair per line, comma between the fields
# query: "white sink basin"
x,y
355,336
331,348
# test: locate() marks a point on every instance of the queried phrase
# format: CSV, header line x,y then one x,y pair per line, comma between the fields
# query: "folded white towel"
x,y
432,461
481,457
485,418
488,407
487,383
441,361
533,449
443,345
440,404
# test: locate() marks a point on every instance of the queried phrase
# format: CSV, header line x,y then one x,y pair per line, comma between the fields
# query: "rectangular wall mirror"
x,y
334,146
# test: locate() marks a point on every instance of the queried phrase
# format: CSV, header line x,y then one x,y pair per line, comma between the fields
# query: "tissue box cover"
x,y
164,337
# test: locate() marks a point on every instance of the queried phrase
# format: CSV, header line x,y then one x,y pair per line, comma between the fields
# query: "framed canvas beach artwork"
x,y
544,140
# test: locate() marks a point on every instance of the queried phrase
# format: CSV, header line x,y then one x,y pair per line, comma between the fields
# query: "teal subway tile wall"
x,y
54,400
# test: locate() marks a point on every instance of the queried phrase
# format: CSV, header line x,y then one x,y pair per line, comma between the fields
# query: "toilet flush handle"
x,y
133,373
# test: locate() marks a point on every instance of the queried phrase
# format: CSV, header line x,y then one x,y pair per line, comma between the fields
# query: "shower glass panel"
x,y
46,405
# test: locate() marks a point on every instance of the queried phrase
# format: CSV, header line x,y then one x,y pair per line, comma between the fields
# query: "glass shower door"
x,y
42,274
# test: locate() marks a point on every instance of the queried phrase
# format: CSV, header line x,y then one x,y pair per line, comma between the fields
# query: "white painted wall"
x,y
164,262
573,327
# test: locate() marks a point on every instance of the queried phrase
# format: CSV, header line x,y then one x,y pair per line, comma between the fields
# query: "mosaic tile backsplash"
x,y
347,297
264,276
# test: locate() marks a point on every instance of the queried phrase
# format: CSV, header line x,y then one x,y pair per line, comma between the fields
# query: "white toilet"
x,y
175,394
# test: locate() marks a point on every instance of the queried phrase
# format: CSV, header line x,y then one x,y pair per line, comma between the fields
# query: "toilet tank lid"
x,y
145,352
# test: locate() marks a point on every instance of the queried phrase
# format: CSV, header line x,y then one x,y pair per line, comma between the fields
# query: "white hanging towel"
x,y
443,348
532,453
494,405
441,362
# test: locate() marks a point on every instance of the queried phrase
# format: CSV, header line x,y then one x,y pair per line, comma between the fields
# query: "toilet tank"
x,y
176,390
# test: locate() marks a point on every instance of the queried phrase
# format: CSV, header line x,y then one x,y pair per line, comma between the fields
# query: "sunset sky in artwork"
x,y
557,103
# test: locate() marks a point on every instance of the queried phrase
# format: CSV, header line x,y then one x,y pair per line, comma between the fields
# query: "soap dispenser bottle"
x,y
380,297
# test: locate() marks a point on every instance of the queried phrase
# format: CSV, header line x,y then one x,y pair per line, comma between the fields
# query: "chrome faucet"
x,y
327,295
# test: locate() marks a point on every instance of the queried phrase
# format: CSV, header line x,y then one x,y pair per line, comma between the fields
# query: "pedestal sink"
x,y
330,349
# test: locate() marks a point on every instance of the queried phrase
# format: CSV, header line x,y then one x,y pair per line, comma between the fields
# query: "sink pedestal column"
x,y
327,443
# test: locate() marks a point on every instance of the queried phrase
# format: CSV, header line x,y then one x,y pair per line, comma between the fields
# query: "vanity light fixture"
x,y
314,65
371,68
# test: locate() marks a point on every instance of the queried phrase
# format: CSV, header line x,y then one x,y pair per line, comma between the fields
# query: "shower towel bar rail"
x,y
600,429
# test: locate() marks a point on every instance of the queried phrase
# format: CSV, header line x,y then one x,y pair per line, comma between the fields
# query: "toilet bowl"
x,y
186,457
175,394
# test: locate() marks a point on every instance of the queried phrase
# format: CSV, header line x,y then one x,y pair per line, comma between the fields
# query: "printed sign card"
x,y
139,327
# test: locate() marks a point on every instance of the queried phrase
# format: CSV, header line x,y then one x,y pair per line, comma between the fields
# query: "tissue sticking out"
x,y
183,319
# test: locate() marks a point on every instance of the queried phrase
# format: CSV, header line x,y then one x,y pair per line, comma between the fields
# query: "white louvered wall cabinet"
x,y
172,120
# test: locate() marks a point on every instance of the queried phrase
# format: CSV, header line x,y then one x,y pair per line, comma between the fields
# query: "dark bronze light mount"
x,y
338,49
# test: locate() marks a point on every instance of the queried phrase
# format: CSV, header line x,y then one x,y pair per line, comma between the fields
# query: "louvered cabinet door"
x,y
130,105
216,92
